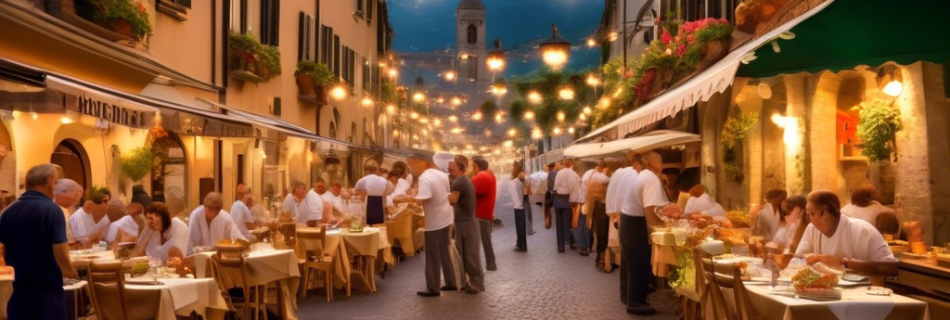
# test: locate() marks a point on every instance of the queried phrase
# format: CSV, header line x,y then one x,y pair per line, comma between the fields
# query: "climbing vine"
x,y
734,131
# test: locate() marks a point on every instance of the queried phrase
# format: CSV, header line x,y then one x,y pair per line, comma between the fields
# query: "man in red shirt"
x,y
485,188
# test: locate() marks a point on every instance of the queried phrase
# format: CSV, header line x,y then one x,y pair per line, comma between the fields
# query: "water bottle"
x,y
102,246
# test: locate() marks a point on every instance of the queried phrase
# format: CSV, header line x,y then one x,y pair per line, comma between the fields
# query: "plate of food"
x,y
814,285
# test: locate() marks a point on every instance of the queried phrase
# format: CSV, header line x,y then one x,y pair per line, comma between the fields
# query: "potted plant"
x,y
126,17
251,61
137,163
878,125
313,79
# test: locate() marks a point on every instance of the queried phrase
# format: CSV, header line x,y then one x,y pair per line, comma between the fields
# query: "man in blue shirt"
x,y
33,233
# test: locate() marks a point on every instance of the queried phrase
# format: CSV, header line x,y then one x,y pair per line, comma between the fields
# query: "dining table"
x,y
168,298
856,303
263,267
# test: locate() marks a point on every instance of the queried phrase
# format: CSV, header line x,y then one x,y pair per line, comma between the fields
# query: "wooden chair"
x,y
230,272
107,289
317,261
710,294
741,310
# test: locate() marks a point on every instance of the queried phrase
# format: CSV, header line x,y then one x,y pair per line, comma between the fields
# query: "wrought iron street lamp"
x,y
496,58
555,50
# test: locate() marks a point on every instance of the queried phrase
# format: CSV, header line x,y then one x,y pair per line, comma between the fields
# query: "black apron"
x,y
374,210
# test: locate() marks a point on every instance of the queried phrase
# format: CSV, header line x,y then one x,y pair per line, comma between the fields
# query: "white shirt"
x,y
309,208
402,187
176,236
704,205
434,192
373,184
516,190
335,201
200,233
647,192
868,213
539,183
82,225
853,239
568,183
241,215
289,203
69,230
768,222
127,224
613,201
583,190
625,195
785,233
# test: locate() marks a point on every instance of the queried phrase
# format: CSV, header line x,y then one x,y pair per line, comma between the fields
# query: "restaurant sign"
x,y
132,116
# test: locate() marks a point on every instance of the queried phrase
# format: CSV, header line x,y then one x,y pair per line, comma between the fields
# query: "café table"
x,y
663,257
264,267
366,244
174,296
855,304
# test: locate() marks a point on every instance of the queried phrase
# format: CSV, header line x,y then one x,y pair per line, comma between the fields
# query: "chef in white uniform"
x,y
834,239
209,224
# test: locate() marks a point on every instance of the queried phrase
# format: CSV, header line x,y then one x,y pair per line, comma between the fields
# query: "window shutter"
x,y
270,22
265,21
302,37
369,11
183,3
359,8
318,35
336,55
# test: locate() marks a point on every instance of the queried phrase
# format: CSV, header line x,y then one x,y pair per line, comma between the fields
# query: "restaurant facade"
x,y
77,93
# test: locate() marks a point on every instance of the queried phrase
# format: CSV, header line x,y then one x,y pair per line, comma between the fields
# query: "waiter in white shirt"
x,y
836,240
433,194
308,206
647,197
625,205
566,195
240,213
375,188
209,224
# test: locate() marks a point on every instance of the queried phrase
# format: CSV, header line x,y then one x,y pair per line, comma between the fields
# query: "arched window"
x,y
72,158
169,176
472,34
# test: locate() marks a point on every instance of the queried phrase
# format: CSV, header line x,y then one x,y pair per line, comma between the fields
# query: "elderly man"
x,y
240,212
307,206
835,239
640,211
375,188
34,235
68,195
209,224
433,194
90,223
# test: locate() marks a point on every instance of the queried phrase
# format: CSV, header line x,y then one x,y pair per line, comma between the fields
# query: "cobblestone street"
x,y
539,284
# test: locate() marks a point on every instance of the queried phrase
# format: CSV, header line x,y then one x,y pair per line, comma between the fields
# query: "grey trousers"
x,y
528,216
438,259
468,239
485,227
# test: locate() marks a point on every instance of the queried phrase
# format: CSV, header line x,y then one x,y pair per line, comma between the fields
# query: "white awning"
x,y
649,141
702,87
551,156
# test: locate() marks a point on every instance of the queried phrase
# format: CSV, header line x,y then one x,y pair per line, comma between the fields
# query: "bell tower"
x,y
471,44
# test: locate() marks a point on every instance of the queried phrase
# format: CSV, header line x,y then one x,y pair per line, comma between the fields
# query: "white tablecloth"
x,y
180,296
855,304
263,268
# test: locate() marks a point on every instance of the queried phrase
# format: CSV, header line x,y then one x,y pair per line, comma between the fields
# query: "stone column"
x,y
822,132
914,178
794,155
938,140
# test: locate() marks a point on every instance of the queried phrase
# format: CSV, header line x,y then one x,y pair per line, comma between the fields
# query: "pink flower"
x,y
691,38
681,50
666,38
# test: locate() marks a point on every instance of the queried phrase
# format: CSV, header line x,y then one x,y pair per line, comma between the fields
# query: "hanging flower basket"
x,y
713,51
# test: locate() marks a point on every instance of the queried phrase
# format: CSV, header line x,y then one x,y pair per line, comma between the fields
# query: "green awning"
x,y
850,33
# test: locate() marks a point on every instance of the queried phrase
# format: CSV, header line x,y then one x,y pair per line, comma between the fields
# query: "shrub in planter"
x,y
126,17
878,124
137,163
313,79
248,56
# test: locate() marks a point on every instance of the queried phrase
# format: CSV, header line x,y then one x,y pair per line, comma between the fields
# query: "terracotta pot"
x,y
305,86
122,27
713,51
322,97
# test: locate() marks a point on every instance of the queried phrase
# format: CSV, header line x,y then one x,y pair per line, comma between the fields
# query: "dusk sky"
x,y
429,25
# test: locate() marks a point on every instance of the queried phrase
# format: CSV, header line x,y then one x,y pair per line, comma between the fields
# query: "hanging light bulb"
x,y
535,97
453,118
570,130
499,117
591,42
449,75
582,117
566,94
561,116
391,109
437,122
508,143
555,50
557,131
367,102
440,100
414,115
499,90
418,97
612,36
424,120
457,130
528,115
338,93
512,132
487,133
536,133
477,116
893,88
393,72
